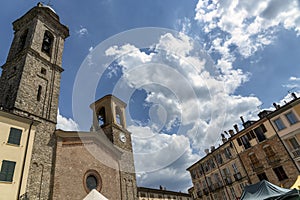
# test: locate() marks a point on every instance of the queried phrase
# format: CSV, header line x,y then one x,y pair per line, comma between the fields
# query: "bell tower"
x,y
31,74
30,84
109,116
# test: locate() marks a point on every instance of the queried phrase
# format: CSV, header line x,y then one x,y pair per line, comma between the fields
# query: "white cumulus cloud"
x,y
66,124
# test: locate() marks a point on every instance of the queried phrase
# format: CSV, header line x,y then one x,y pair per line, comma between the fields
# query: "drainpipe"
x,y
24,161
284,145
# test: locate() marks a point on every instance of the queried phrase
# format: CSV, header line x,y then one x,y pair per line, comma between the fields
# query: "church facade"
x,y
56,164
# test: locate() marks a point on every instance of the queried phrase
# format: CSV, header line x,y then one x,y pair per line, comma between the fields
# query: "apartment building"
x,y
265,149
220,174
285,121
16,141
161,194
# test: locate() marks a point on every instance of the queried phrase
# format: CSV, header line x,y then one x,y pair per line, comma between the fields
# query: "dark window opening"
x,y
260,133
43,71
14,136
219,159
7,171
101,116
47,42
262,176
245,141
91,182
280,173
227,153
39,93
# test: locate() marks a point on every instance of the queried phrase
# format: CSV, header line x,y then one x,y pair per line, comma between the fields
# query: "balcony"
x,y
273,160
237,176
257,167
296,153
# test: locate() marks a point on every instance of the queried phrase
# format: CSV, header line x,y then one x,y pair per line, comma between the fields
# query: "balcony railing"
x,y
257,167
237,176
273,160
296,153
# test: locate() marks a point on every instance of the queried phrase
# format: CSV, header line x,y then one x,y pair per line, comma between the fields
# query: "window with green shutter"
x,y
7,171
15,136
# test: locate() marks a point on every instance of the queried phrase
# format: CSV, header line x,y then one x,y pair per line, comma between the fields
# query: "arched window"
x,y
39,93
47,42
119,116
101,116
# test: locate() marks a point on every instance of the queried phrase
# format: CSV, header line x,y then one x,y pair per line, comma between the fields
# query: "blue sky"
x,y
210,63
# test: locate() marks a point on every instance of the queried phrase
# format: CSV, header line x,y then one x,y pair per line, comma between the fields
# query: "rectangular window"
x,y
294,143
14,136
235,169
227,153
279,124
262,176
219,159
7,171
245,141
239,141
280,173
269,151
259,131
39,92
291,118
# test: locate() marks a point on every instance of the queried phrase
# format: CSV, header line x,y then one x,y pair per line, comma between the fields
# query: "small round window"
x,y
92,180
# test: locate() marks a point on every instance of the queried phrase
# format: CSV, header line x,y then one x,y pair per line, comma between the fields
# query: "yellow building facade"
x,y
16,141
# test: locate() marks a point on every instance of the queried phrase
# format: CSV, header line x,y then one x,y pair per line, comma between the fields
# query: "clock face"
x,y
122,137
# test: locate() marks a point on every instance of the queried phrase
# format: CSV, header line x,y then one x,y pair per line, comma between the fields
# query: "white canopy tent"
x,y
95,195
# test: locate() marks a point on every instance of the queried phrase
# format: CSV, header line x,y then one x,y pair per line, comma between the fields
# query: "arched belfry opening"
x,y
101,116
108,111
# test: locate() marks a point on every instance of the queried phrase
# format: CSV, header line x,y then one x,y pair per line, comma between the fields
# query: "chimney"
x,y
206,151
242,119
276,105
212,148
231,132
294,95
236,128
224,139
226,132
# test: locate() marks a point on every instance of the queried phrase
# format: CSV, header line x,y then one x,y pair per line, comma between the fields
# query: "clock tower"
x,y
109,119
